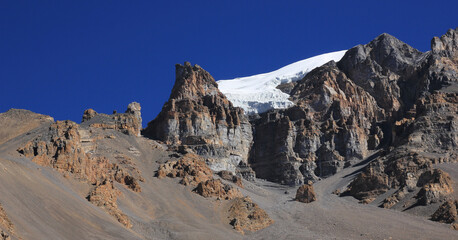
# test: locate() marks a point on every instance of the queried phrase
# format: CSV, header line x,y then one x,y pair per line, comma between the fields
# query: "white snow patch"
x,y
258,93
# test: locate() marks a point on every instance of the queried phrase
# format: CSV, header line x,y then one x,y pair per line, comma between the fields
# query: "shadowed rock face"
x,y
384,93
428,136
329,128
200,118
385,69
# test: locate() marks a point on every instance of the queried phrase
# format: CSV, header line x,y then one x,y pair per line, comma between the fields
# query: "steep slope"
x,y
200,118
260,93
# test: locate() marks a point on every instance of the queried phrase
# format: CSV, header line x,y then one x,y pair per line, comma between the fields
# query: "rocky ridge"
x,y
129,122
68,148
428,136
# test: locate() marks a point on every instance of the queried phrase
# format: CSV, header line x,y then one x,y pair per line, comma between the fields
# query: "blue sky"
x,y
62,57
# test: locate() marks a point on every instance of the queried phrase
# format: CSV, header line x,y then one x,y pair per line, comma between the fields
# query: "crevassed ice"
x,y
258,93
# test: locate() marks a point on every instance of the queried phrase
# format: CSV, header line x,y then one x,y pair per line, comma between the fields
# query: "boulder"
x,y
305,193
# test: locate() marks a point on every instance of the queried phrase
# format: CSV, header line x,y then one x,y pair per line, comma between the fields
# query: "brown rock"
x,y
437,185
191,168
447,212
105,196
199,117
5,222
215,188
369,184
4,235
244,215
305,193
61,148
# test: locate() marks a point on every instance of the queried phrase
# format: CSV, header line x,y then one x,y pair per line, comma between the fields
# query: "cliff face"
x,y
365,101
200,118
429,136
329,128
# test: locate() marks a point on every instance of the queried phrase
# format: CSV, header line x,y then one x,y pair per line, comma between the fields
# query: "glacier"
x,y
259,93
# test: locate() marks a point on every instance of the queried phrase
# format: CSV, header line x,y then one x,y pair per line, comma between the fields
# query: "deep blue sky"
x,y
62,57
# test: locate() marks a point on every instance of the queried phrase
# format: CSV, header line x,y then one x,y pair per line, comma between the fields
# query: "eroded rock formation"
x,y
215,188
191,168
5,224
244,215
61,148
129,122
199,117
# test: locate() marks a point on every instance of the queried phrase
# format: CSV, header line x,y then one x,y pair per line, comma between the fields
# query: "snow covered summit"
x,y
259,93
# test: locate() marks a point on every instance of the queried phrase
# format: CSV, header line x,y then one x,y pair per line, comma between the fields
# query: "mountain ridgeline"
x,y
379,97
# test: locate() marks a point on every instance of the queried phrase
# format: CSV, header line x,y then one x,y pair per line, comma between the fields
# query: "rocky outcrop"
x,y
447,213
215,188
105,196
199,117
190,168
305,193
244,215
129,122
437,185
61,148
5,223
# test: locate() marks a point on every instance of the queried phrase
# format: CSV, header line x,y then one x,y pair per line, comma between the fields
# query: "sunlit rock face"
x,y
200,118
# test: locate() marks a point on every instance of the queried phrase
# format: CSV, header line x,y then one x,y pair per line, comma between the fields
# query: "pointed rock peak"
x,y
447,45
386,42
193,81
385,51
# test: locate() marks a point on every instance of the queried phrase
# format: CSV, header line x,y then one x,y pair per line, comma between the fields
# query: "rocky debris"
x,y
105,196
447,213
129,122
215,188
305,193
229,176
5,223
437,184
198,116
244,215
61,148
191,168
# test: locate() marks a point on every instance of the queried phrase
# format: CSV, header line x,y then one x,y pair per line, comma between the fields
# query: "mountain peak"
x,y
192,81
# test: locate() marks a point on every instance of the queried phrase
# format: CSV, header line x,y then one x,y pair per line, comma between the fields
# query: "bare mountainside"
x,y
367,151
